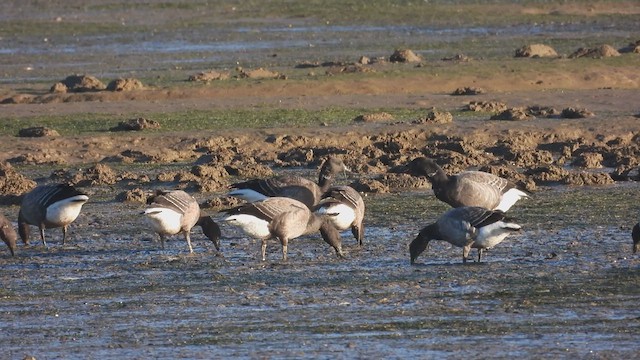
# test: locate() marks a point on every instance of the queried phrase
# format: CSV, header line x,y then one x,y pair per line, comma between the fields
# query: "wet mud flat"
x,y
567,286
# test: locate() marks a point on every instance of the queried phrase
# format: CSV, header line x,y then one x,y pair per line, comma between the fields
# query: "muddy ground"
x,y
566,287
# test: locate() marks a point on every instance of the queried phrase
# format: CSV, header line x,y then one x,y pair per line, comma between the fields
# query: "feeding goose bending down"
x,y
465,227
344,206
468,188
635,235
8,234
174,212
284,219
50,206
295,187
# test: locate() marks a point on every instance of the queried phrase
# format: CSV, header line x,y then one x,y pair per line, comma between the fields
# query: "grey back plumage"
x,y
464,227
37,203
468,188
287,219
295,187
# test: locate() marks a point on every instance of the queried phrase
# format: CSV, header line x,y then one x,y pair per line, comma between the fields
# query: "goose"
x,y
466,227
295,187
8,234
284,219
345,208
50,206
468,188
635,235
174,211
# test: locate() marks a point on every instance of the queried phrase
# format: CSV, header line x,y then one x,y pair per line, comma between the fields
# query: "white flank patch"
x,y
493,234
510,198
251,225
65,211
341,215
163,220
247,195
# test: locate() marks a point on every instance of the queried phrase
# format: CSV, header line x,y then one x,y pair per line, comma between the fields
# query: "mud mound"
x,y
78,83
18,99
435,117
41,157
136,125
125,84
38,131
259,73
597,52
589,160
573,113
13,185
487,106
133,196
404,56
374,117
208,76
513,114
536,50
468,91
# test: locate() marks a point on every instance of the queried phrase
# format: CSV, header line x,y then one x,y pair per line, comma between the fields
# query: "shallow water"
x,y
567,286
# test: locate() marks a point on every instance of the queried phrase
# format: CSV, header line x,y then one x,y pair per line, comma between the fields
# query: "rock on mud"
x,y
536,50
37,131
125,84
404,56
513,114
374,117
79,83
208,76
601,51
468,91
136,125
13,185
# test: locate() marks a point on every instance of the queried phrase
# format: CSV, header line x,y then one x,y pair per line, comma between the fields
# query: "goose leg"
x,y
42,235
284,243
465,253
162,241
480,251
187,236
264,249
64,234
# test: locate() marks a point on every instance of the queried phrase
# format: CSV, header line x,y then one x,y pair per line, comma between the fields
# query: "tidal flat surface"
x,y
567,286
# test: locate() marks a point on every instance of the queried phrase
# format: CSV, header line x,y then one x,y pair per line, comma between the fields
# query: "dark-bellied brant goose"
x,y
174,211
465,227
50,206
635,235
284,219
8,234
345,208
468,188
295,187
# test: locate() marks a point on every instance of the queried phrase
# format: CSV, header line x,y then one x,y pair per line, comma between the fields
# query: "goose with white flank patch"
x,y
173,212
465,227
8,234
50,206
468,188
635,235
284,219
295,187
345,208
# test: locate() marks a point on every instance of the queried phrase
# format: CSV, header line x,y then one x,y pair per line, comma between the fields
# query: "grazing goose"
x,y
284,219
465,227
295,187
8,234
174,212
635,235
468,188
345,208
50,206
